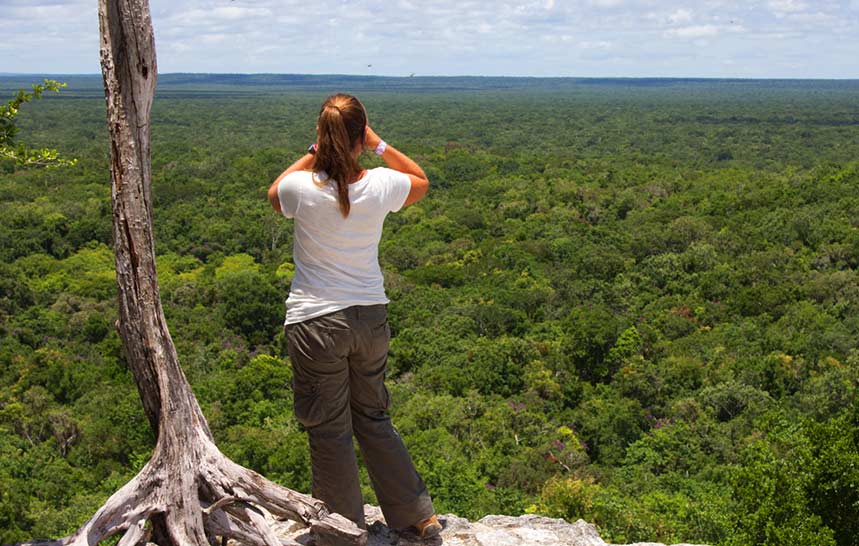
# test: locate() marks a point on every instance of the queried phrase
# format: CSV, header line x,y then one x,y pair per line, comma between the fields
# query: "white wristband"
x,y
380,149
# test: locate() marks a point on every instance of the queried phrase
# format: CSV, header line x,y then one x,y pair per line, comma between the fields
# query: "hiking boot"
x,y
429,527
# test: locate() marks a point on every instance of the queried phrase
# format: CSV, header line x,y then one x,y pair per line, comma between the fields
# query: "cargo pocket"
x,y
382,331
308,404
380,339
381,342
386,398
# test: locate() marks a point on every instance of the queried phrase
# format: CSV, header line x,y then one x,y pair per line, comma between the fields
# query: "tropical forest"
x,y
629,301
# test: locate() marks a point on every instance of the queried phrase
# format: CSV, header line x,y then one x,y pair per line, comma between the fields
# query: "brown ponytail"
x,y
341,126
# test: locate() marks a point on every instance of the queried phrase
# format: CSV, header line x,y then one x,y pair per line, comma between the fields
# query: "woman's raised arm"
x,y
399,161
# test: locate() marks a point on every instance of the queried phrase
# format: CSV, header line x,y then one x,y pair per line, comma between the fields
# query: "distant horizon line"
x,y
476,76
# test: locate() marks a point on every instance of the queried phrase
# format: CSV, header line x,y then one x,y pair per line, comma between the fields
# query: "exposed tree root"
x,y
205,498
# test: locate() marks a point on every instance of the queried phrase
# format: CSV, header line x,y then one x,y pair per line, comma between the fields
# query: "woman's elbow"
x,y
273,199
418,190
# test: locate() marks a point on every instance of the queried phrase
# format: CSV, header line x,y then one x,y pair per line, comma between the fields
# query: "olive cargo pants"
x,y
339,362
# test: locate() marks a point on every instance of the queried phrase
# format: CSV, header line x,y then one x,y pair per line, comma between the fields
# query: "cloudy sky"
x,y
708,38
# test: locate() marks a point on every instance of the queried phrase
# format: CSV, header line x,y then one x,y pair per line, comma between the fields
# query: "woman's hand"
x,y
371,139
399,161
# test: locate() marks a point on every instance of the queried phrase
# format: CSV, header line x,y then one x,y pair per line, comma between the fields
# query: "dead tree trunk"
x,y
189,493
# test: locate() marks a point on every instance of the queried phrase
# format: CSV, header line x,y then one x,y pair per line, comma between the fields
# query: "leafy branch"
x,y
19,153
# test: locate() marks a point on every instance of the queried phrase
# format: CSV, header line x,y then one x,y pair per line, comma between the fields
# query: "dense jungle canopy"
x,y
630,301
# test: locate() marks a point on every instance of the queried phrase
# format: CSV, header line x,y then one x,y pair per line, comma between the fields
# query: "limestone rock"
x,y
527,530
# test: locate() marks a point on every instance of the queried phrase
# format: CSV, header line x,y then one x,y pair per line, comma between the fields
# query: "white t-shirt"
x,y
337,258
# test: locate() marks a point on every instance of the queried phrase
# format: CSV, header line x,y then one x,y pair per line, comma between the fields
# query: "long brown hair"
x,y
341,126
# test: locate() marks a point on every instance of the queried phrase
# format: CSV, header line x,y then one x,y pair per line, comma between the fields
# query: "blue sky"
x,y
671,38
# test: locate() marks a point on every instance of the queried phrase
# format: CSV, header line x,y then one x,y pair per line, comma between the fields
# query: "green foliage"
x,y
833,493
608,423
446,469
248,301
592,333
20,154
771,489
681,508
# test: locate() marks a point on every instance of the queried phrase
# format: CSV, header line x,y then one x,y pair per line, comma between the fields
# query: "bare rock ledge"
x,y
528,530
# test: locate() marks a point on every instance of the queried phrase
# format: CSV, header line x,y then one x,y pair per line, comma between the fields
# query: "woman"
x,y
336,314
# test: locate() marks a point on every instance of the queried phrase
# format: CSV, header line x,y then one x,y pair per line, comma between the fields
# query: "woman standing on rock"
x,y
336,314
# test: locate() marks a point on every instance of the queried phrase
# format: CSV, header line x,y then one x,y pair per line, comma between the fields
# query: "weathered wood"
x,y
130,72
244,533
189,492
256,521
137,534
336,530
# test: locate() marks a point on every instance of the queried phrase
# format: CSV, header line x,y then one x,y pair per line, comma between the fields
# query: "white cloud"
x,y
815,18
601,45
693,31
558,38
679,16
607,3
782,7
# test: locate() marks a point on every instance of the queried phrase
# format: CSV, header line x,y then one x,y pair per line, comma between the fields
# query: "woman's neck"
x,y
361,174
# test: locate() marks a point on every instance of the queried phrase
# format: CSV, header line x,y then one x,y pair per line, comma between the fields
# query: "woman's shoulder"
x,y
302,179
306,176
386,174
381,171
